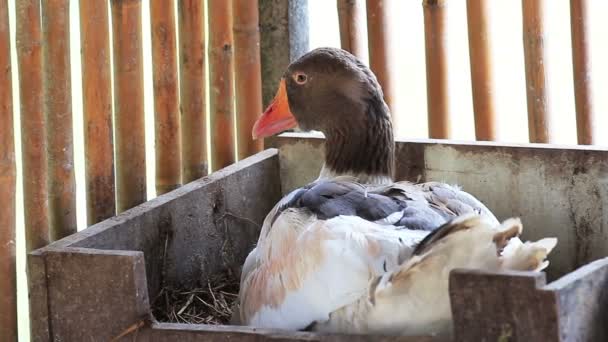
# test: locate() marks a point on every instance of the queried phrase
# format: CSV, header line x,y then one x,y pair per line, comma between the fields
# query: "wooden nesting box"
x,y
95,284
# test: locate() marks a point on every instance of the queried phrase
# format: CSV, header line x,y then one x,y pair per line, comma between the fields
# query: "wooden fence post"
x,y
8,280
221,76
585,116
481,69
129,104
192,89
97,107
352,21
539,123
166,99
435,38
58,114
33,131
247,74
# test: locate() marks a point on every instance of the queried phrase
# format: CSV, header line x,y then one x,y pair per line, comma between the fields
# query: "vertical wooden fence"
x,y
242,65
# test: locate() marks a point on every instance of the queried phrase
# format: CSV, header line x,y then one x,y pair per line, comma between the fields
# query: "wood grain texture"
x,y
221,83
192,89
435,39
537,85
97,108
586,124
8,180
33,130
247,74
482,78
166,96
129,104
58,114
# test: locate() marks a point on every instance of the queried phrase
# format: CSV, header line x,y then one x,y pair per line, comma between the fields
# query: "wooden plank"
x,y
192,89
378,38
8,179
58,114
97,108
535,58
247,74
581,63
221,77
435,39
38,297
352,26
166,98
33,131
482,78
129,104
507,306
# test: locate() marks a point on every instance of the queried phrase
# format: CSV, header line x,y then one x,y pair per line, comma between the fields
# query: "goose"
x,y
355,251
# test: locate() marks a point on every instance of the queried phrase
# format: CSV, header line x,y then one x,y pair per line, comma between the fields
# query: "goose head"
x,y
331,91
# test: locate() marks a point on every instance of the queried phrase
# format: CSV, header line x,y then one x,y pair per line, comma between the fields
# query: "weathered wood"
x,y
283,38
535,58
378,41
166,98
482,79
58,114
247,74
129,104
529,181
581,63
435,40
517,306
221,77
352,26
38,297
192,89
97,108
33,131
8,179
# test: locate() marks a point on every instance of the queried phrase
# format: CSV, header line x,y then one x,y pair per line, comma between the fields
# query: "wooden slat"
x,y
481,69
585,116
247,74
539,125
435,38
8,178
378,46
97,106
192,89
166,98
221,108
351,20
58,114
129,103
33,132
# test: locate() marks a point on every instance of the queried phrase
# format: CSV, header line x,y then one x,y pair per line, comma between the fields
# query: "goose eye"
x,y
300,78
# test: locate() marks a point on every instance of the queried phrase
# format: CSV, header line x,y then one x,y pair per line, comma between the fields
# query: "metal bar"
x,y
58,114
192,89
351,20
166,98
481,69
378,46
97,106
33,131
129,104
221,95
8,179
539,124
435,38
585,116
247,74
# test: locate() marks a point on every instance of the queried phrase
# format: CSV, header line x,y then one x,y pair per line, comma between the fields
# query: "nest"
x,y
212,303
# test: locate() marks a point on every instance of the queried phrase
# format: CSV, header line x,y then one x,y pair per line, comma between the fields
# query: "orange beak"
x,y
276,118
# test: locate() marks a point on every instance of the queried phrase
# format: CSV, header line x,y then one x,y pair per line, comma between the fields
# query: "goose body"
x,y
354,251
